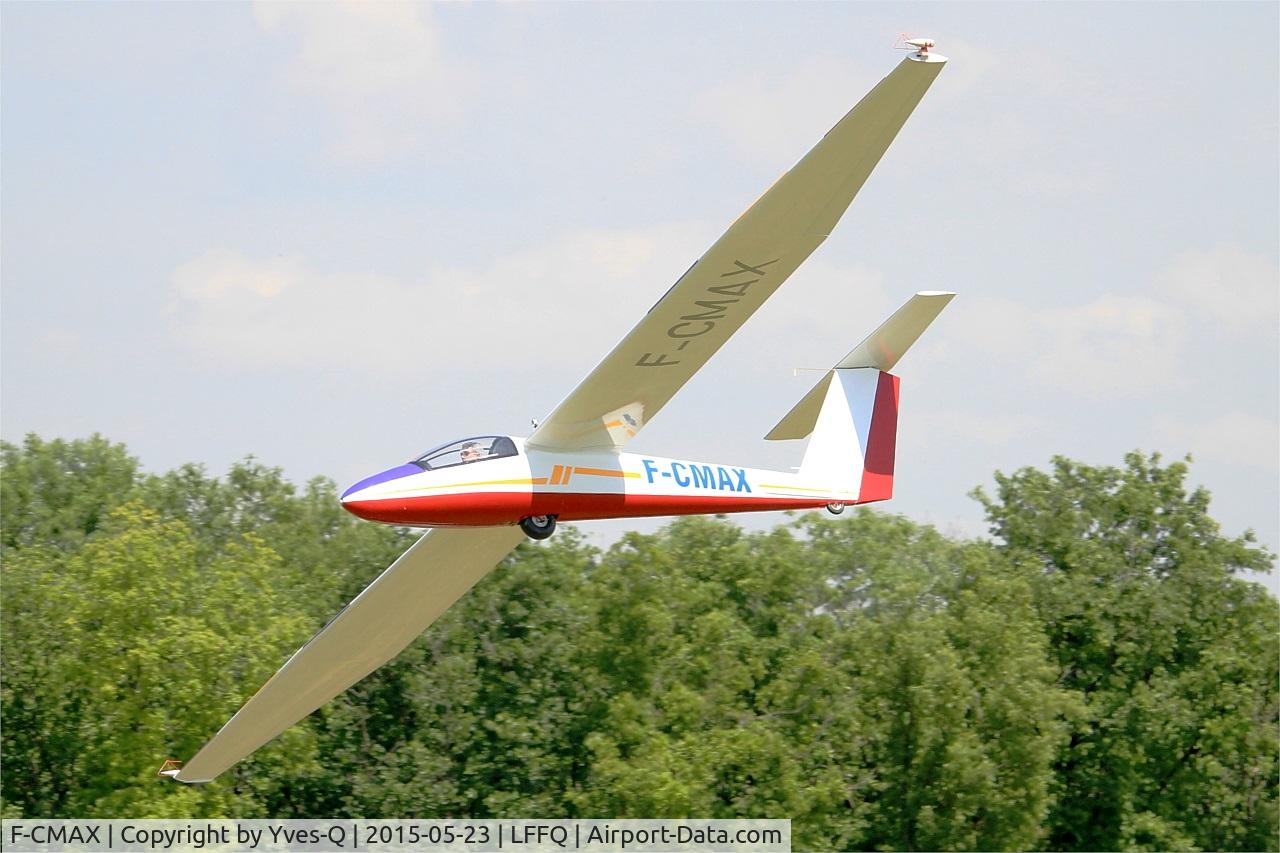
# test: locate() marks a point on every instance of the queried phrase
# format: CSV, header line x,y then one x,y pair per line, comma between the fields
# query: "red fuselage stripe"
x,y
481,508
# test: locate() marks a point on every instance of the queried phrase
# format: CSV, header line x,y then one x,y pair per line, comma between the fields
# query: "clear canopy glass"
x,y
476,449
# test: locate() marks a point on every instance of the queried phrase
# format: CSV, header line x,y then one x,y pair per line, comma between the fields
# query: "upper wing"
x,y
737,274
372,629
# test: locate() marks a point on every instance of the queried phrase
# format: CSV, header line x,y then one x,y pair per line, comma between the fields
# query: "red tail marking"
x,y
877,470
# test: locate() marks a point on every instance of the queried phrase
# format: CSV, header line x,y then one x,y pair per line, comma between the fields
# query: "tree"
x,y
327,554
1173,655
1098,677
879,685
129,651
57,493
713,662
959,715
484,715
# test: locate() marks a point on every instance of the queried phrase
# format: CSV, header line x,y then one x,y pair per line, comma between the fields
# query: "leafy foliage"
x,y
1097,677
56,493
1173,655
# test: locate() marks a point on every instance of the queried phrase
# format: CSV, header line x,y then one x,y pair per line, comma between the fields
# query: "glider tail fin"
x,y
855,434
852,413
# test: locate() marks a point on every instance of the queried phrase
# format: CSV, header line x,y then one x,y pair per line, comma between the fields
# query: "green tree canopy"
x,y
1102,675
57,493
1173,653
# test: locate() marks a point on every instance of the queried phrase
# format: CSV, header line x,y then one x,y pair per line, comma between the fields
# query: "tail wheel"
x,y
538,526
835,508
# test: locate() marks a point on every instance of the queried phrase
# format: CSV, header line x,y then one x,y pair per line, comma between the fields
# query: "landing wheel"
x,y
835,508
538,526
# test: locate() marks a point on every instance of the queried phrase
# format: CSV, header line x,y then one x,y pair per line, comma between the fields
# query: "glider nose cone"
x,y
386,476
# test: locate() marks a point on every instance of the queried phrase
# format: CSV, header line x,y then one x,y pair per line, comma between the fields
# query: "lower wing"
x,y
372,629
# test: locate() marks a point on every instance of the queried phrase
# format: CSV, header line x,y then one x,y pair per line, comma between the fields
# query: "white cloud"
x,y
379,67
566,303
978,116
1226,285
1113,346
975,66
821,313
773,119
1137,344
60,345
1233,438
957,427
570,301
1017,148
221,274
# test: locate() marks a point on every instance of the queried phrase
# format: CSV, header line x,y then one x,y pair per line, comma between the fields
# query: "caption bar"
x,y
395,836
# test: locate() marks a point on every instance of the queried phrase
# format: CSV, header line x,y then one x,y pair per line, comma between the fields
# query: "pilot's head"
x,y
471,451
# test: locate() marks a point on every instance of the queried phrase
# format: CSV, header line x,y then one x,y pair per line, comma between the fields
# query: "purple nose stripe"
x,y
390,474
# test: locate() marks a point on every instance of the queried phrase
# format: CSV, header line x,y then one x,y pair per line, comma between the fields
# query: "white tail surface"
x,y
854,438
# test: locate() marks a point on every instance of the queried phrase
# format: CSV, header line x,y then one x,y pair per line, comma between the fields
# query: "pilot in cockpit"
x,y
471,451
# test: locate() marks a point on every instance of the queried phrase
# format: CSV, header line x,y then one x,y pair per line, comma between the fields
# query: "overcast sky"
x,y
334,235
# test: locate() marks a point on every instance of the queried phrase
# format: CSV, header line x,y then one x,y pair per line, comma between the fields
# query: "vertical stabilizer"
x,y
851,415
855,435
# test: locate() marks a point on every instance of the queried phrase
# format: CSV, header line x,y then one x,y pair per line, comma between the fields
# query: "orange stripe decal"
x,y
604,472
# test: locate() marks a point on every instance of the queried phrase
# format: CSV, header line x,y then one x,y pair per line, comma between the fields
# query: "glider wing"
x,y
734,278
372,629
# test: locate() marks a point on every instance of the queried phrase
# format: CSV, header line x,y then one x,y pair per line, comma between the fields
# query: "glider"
x,y
481,496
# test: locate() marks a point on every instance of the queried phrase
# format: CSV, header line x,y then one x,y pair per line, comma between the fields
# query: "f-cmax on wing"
x,y
481,495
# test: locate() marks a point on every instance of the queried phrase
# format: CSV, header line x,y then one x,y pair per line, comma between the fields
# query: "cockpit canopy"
x,y
476,449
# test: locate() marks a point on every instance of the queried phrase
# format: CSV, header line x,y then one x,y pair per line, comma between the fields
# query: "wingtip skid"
x,y
171,768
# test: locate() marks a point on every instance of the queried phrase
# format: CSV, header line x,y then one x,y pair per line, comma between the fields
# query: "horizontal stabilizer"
x,y
886,345
882,349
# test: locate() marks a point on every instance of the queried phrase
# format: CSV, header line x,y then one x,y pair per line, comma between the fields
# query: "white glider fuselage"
x,y
582,486
495,480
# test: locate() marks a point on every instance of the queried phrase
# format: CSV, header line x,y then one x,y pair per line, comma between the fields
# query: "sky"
x,y
334,235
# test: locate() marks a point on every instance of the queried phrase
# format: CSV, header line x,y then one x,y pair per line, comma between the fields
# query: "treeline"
x,y
1099,676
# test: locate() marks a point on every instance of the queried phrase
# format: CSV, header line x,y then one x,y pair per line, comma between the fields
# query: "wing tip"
x,y
172,769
